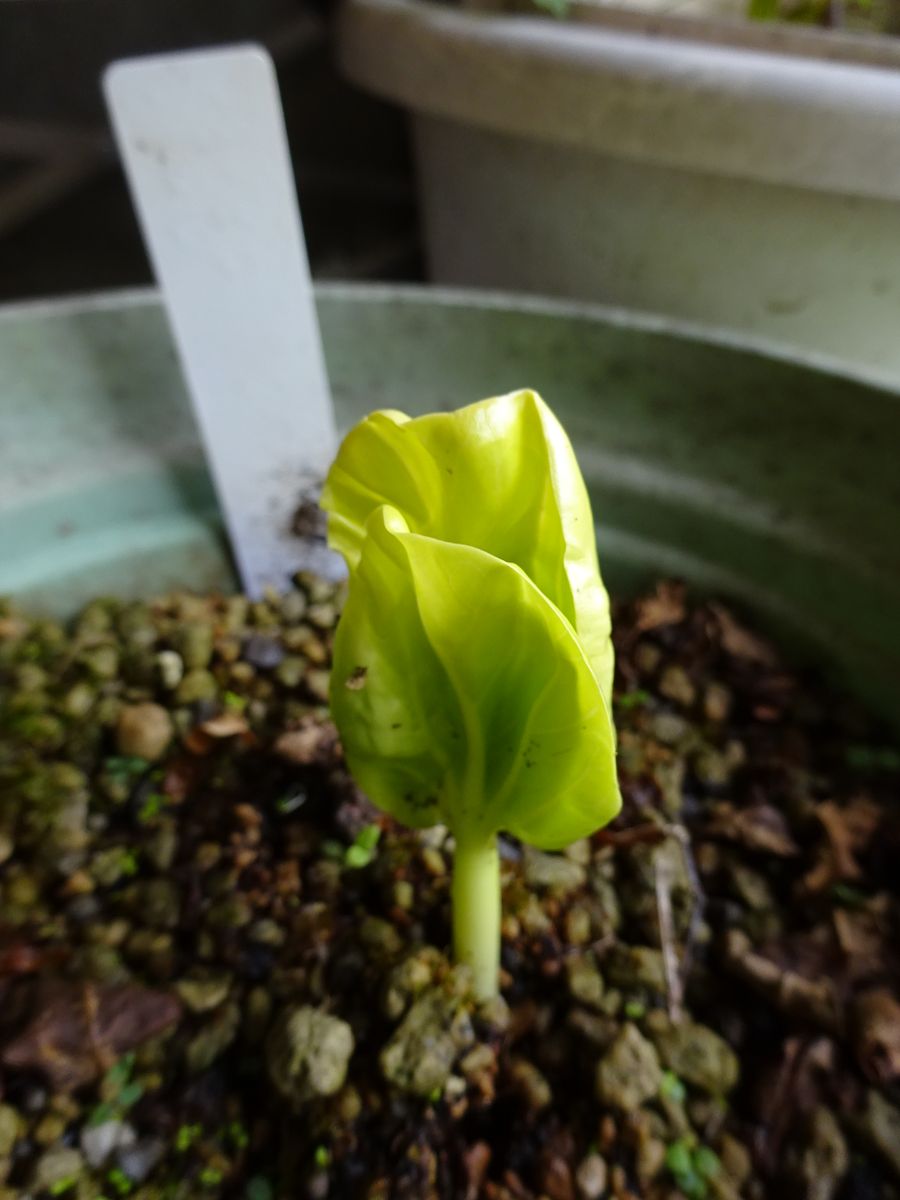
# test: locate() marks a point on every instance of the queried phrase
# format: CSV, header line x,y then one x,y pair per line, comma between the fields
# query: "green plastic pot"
x,y
771,482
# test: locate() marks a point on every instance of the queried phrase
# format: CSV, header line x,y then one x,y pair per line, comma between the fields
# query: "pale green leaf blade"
x,y
399,722
375,465
477,694
499,475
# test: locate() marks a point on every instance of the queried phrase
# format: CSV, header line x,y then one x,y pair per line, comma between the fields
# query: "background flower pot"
x,y
762,479
752,184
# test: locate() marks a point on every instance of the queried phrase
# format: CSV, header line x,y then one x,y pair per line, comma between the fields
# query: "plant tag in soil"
x,y
202,138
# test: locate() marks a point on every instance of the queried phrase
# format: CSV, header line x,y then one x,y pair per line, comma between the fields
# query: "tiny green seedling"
x,y
473,663
119,1181
61,1186
121,1092
692,1167
236,1133
151,808
186,1136
362,851
672,1088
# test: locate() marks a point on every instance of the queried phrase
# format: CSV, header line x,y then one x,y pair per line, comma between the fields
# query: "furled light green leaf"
x,y
463,694
500,476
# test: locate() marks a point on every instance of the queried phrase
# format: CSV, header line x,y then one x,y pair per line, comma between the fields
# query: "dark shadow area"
x,y
66,222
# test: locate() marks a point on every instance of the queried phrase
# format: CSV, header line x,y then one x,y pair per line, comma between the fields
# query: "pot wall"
x,y
756,191
768,481
807,271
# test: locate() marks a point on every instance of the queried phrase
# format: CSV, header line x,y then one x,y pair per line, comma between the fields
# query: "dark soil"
x,y
223,974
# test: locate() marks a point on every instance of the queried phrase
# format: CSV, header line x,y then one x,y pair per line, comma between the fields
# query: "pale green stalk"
x,y
475,896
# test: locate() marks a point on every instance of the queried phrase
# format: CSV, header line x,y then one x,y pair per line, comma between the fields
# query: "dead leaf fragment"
x,y
740,641
758,827
813,1000
181,778
862,938
875,1029
201,740
848,831
664,607
225,725
80,1030
476,1160
792,1090
313,742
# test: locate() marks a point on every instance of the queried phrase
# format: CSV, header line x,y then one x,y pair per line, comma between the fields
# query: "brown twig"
x,y
634,835
698,898
649,834
674,981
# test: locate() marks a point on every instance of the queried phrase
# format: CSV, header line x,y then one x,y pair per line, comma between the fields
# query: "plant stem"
x,y
476,911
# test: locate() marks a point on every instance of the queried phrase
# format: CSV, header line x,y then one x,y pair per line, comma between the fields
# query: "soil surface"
x,y
224,974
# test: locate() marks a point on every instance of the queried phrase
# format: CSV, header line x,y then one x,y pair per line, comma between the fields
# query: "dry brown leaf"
x,y
180,778
198,742
556,1178
80,1030
225,725
813,1000
861,938
848,831
313,741
758,827
515,1185
664,607
875,1028
792,1089
22,958
740,641
476,1160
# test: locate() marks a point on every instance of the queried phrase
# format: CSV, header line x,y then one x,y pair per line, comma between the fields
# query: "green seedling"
x,y
692,1167
672,1088
362,851
61,1186
121,1092
472,672
237,1134
129,862
151,808
119,1181
186,1136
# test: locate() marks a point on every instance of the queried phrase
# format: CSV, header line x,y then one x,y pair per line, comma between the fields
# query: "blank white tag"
x,y
202,138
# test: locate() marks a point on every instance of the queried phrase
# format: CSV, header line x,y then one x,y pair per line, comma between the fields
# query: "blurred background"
x,y
66,222
731,164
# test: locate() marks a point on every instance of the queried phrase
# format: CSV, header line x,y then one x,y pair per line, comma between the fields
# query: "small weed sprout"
x,y
692,1167
473,662
121,1092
